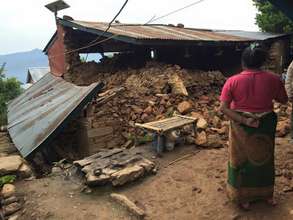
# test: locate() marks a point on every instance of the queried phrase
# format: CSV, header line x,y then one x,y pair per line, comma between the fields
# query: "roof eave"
x,y
50,43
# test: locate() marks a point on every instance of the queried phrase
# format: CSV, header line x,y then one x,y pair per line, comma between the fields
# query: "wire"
x,y
109,25
95,42
175,11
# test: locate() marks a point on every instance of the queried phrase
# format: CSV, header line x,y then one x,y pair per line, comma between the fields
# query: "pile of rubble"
x,y
154,92
157,91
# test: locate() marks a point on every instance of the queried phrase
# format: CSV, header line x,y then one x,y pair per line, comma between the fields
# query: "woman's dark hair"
x,y
254,57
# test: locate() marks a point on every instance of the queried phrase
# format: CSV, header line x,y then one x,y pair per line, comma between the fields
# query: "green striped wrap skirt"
x,y
251,171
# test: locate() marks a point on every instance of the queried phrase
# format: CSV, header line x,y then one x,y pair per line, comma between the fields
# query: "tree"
x,y
9,89
270,19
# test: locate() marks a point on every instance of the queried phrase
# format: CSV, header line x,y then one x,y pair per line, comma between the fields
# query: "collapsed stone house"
x,y
145,60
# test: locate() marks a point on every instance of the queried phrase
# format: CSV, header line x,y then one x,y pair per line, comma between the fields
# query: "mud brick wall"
x,y
98,131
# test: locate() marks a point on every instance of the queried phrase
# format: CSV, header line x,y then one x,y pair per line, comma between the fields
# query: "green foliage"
x,y
7,179
270,19
9,89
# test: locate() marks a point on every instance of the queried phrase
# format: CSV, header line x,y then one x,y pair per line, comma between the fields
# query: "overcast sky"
x,y
27,24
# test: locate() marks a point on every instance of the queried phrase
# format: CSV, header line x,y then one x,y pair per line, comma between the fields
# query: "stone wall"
x,y
6,145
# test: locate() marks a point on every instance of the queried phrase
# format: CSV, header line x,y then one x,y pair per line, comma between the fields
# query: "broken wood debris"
x,y
117,166
107,95
128,204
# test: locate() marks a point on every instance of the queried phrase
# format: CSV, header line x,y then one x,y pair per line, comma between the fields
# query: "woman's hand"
x,y
251,122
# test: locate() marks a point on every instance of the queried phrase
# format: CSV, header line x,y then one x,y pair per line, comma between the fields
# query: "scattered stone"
x,y
14,217
9,200
214,141
124,201
10,164
177,85
56,170
184,107
127,174
221,131
288,189
25,171
147,165
8,190
216,121
220,189
202,124
148,110
11,208
196,115
283,128
194,188
201,138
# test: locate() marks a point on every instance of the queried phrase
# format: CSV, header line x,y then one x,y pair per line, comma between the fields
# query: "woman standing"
x,y
247,100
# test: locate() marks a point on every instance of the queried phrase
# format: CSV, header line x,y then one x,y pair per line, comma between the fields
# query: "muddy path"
x,y
192,188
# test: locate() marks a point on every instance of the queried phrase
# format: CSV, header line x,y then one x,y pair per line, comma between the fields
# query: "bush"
x,y
9,89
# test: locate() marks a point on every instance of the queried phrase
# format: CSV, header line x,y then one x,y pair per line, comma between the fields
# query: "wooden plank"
x,y
148,127
187,117
161,121
100,155
85,161
170,127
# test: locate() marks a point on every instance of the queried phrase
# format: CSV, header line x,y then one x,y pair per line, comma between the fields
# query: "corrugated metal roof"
x,y
37,115
154,31
36,73
250,34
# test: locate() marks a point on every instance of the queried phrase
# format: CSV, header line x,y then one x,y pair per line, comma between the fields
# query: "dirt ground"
x,y
192,188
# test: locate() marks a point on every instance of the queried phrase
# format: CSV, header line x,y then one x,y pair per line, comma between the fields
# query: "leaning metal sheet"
x,y
38,114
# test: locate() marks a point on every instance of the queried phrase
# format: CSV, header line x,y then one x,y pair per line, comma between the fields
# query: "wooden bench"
x,y
162,126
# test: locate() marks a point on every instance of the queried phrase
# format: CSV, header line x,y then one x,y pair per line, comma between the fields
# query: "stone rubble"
x,y
152,92
156,91
10,202
16,165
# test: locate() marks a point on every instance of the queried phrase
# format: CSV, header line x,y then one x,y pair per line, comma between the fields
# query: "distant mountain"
x,y
18,63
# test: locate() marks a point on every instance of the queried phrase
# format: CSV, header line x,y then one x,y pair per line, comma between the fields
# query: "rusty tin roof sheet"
x,y
40,113
154,31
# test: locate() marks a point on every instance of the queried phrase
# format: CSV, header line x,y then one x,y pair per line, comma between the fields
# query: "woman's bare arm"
x,y
233,115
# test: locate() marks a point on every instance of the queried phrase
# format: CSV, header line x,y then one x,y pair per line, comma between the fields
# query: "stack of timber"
x,y
117,167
